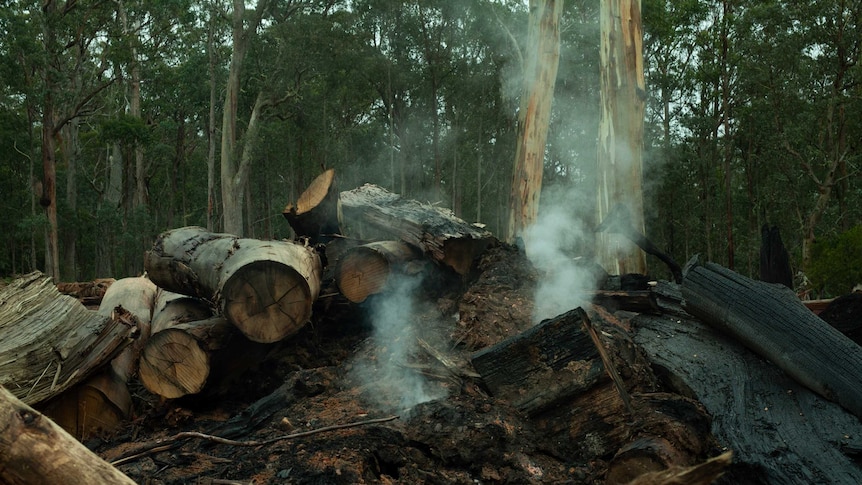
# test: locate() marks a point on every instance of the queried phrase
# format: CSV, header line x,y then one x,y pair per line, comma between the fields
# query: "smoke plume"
x,y
385,371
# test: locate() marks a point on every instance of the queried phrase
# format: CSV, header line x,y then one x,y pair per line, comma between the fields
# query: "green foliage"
x,y
124,129
836,265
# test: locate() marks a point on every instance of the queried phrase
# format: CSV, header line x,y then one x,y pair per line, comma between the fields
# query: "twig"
x,y
166,443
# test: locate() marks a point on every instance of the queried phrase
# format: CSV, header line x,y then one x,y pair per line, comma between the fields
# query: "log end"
x,y
267,301
361,273
173,364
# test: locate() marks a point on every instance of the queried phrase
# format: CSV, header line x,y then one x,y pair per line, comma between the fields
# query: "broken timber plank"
x,y
770,320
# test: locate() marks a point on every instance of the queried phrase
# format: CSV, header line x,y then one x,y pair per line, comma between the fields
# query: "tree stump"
x,y
264,288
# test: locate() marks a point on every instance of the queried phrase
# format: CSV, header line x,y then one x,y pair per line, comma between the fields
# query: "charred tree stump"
x,y
34,450
771,321
264,288
49,342
376,213
774,261
314,215
364,270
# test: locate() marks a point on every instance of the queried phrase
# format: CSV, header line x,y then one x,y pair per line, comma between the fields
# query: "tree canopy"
x,y
753,116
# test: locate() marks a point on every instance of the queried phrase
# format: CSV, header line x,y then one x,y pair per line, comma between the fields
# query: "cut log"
x,y
265,288
49,341
177,359
315,213
364,270
780,431
373,213
175,308
640,301
770,320
537,368
136,295
34,450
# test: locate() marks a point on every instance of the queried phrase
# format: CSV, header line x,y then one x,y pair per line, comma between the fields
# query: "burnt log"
x,y
779,431
49,342
373,213
845,314
34,450
771,321
543,365
264,288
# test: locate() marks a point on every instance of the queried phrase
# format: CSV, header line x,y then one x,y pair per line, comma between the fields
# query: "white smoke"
x,y
392,380
555,244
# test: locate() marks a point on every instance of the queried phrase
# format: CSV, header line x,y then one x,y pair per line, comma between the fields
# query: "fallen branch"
x,y
166,443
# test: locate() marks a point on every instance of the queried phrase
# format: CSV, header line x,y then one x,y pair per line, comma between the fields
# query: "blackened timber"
x,y
770,320
543,365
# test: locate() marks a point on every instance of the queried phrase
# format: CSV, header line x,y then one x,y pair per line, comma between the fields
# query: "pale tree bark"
x,y
234,172
621,132
540,75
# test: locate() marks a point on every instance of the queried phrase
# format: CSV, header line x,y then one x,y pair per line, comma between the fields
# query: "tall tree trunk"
x,y
621,131
540,76
233,172
71,152
49,162
727,145
211,128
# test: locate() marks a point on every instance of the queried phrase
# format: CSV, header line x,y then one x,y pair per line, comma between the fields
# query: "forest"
x,y
167,113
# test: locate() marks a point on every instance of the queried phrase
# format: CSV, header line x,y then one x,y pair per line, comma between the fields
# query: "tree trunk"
x,y
37,451
621,132
371,212
51,342
49,162
540,76
265,288
233,173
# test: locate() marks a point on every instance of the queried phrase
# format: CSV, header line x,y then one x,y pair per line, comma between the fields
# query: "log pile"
x,y
715,378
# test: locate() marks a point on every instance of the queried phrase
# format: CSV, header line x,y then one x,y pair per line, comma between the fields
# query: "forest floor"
x,y
341,368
